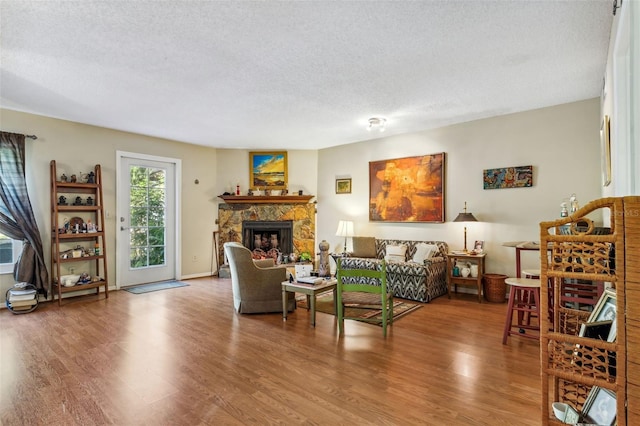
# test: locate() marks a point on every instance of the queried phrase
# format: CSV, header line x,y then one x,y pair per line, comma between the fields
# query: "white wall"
x,y
621,100
562,143
78,147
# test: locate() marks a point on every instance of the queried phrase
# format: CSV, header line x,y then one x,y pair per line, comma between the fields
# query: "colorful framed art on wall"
x,y
268,170
409,189
508,177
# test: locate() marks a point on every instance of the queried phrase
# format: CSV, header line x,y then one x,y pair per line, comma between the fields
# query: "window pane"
x,y
139,216
6,250
138,237
156,236
138,257
156,256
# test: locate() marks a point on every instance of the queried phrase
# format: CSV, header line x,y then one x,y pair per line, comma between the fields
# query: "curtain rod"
x,y
34,137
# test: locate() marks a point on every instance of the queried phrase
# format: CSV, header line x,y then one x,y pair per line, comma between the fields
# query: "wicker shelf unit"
x,y
583,254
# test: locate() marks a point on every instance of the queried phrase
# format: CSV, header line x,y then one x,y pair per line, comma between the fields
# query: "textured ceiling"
x,y
303,75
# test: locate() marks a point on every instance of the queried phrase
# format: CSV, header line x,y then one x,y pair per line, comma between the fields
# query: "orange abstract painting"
x,y
409,189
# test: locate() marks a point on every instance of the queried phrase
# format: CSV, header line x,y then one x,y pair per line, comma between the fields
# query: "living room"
x,y
561,142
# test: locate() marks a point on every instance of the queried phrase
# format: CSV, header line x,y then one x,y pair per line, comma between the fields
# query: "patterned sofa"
x,y
407,279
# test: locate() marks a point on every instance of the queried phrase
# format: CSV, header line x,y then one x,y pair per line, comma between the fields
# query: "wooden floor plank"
x,y
183,356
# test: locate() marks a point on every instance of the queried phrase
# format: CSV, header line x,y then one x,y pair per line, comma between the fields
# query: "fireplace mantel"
x,y
266,199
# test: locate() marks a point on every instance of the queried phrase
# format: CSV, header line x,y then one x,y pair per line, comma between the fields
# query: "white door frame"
x,y
120,210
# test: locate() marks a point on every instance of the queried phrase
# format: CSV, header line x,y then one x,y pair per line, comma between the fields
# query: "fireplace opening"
x,y
268,238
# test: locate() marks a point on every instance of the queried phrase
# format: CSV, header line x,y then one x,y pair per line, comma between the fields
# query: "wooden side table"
x,y
452,280
311,291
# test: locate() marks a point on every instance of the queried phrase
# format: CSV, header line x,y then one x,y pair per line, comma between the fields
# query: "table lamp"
x,y
465,217
345,229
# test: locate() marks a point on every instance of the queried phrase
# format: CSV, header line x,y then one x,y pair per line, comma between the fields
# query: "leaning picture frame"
x,y
268,170
606,310
605,150
600,407
343,186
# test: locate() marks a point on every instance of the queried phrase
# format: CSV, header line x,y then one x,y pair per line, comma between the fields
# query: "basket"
x,y
495,289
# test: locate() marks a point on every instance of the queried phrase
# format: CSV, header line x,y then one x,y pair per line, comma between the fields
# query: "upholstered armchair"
x,y
257,285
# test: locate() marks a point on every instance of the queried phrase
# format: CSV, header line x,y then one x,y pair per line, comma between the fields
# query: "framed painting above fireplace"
x,y
268,170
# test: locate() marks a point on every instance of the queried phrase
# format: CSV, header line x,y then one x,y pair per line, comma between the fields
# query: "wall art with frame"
x,y
409,189
600,407
343,186
605,150
268,170
508,177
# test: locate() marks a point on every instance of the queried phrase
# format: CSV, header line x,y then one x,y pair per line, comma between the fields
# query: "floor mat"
x,y
147,288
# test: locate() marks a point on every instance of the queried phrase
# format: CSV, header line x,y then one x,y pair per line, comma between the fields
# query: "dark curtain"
x,y
16,215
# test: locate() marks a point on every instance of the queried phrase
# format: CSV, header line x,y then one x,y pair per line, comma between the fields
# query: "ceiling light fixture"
x,y
377,123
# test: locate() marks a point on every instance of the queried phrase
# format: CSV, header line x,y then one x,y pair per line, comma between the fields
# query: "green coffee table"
x,y
311,291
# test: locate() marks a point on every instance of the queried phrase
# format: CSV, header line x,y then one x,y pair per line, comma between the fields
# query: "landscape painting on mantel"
x,y
268,170
409,189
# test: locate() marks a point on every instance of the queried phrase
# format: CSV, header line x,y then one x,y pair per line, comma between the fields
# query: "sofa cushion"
x,y
423,252
396,253
364,247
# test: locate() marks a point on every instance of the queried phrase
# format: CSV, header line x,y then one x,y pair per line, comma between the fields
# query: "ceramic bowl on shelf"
x,y
560,410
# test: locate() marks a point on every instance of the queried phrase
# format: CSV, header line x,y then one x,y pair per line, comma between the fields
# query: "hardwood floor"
x,y
184,357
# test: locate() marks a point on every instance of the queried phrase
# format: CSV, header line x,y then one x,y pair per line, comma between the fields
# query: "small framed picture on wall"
x,y
343,186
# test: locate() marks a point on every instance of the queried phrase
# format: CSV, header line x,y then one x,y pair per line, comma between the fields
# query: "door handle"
x,y
124,228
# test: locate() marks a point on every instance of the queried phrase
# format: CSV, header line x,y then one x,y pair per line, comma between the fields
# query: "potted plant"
x,y
305,257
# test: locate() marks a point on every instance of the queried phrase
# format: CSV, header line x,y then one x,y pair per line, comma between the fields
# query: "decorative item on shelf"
x,y
75,224
267,192
73,179
238,189
474,270
456,270
285,191
96,249
62,200
91,177
564,211
89,201
91,227
249,193
300,192
293,257
63,178
285,258
465,217
78,201
345,229
574,203
466,270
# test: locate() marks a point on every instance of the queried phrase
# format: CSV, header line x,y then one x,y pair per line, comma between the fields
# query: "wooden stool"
x,y
524,298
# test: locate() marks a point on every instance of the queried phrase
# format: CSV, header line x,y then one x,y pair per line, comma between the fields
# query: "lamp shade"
x,y
465,217
345,228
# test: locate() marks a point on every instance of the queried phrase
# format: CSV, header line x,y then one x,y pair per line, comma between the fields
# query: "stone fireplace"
x,y
240,221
